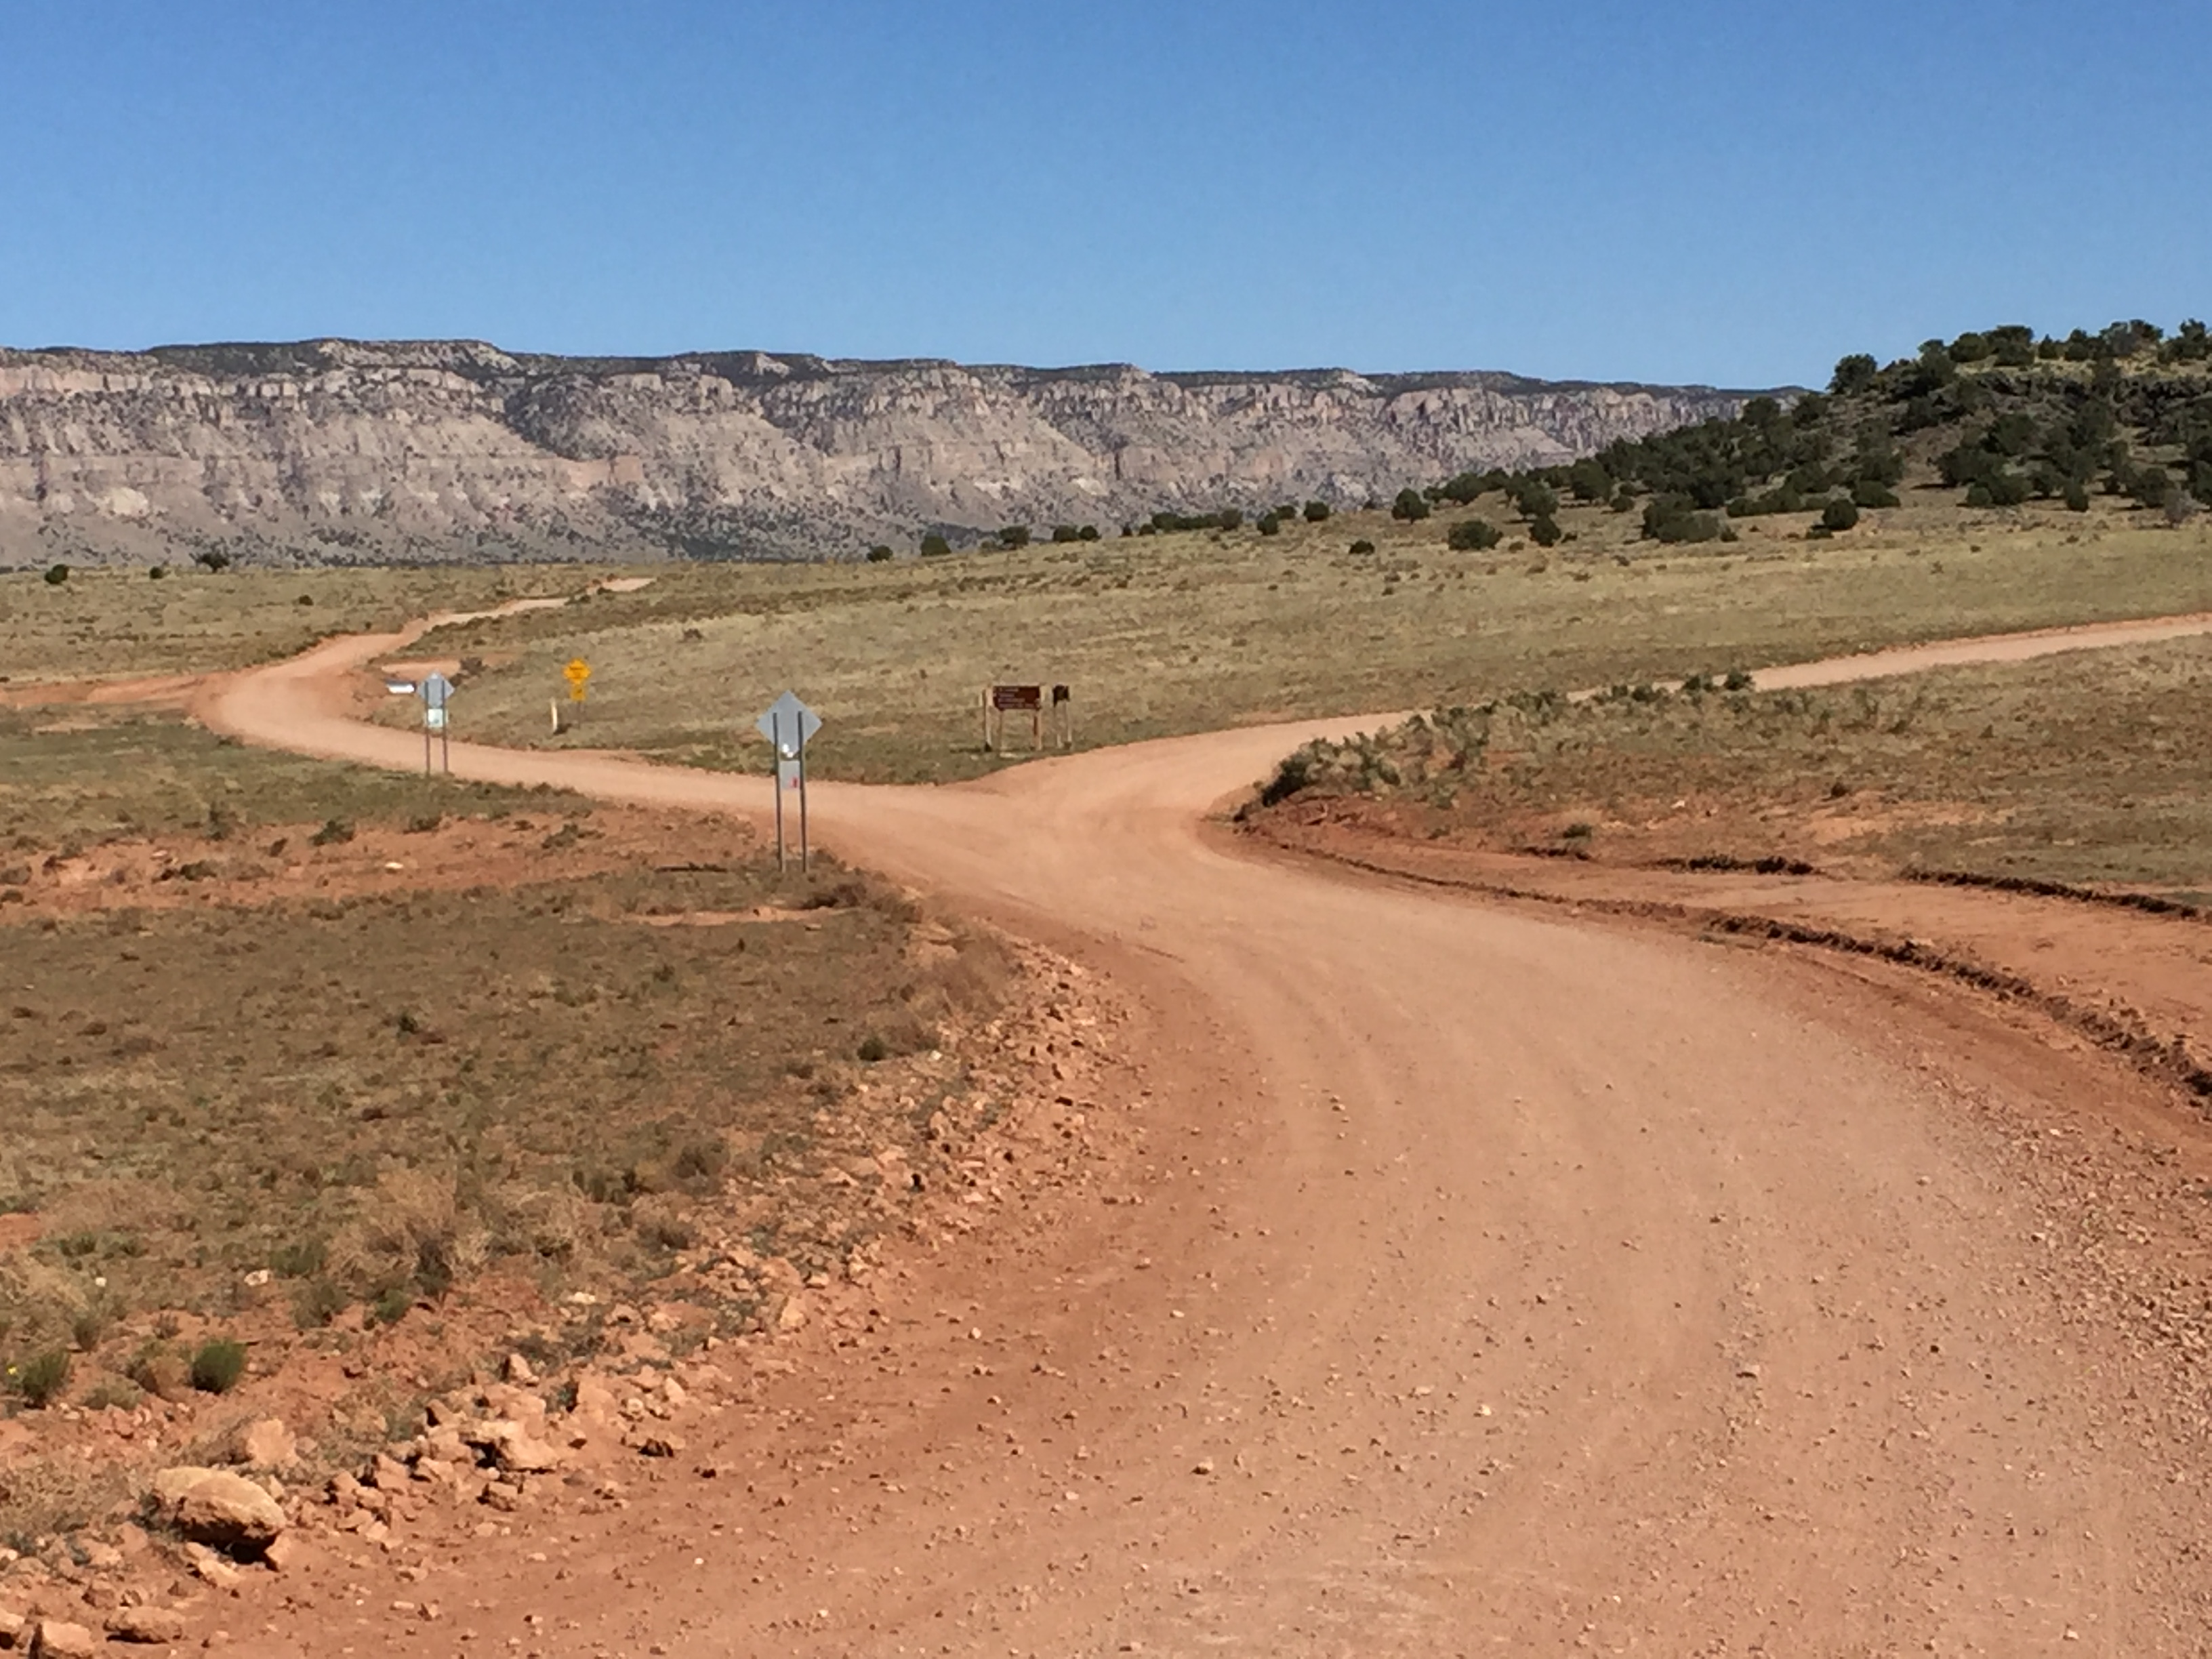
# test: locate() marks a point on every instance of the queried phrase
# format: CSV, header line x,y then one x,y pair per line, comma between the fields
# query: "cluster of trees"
x,y
2012,347
1269,523
2016,429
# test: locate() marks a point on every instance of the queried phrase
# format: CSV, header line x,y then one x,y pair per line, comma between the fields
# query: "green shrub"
x,y
1229,518
301,1259
1014,535
1545,531
1590,482
1473,536
333,832
2077,496
1363,545
1536,499
1853,375
1868,492
57,575
874,1048
934,546
391,1306
217,1365
1839,514
1672,519
318,1302
210,559
1411,506
879,554
41,1378
1317,512
114,1394
1268,525
157,573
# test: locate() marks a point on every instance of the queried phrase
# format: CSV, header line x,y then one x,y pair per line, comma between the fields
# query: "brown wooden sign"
x,y
1028,697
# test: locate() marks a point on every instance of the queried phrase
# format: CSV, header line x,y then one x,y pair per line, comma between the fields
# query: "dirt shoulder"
x,y
571,1124
2135,981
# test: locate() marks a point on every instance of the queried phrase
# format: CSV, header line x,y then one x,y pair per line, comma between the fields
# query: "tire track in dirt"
x,y
1506,1283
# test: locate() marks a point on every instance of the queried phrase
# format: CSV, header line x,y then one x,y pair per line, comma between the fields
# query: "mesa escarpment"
x,y
335,451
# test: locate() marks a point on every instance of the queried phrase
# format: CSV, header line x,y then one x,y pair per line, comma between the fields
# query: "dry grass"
x,y
2081,767
1171,634
111,624
75,777
377,1098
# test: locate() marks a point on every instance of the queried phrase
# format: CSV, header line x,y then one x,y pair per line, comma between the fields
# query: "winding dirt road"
x,y
1508,1284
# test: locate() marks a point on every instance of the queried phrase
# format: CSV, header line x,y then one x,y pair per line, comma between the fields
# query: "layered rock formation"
x,y
332,450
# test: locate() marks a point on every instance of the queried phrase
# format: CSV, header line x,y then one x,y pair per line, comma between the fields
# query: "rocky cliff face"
x,y
332,450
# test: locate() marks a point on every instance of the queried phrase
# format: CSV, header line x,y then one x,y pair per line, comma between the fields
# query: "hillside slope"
x,y
338,451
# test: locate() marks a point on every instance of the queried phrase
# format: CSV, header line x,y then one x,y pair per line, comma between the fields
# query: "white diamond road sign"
x,y
789,724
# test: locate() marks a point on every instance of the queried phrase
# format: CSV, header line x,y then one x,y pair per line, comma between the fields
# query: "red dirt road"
x,y
1505,1284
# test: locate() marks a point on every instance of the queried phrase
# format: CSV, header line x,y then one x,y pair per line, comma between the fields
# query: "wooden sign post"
x,y
999,700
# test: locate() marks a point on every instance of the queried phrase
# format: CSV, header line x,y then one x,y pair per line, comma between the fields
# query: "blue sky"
x,y
1709,190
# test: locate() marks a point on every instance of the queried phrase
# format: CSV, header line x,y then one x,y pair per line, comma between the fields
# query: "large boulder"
x,y
52,1638
219,1509
154,1626
512,1446
265,1444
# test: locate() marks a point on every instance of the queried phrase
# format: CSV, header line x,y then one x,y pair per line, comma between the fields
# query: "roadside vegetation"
x,y
1194,630
237,1123
61,623
77,776
2081,769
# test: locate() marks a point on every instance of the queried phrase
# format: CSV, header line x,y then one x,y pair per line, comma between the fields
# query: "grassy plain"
x,y
1179,633
376,1094
2081,767
103,624
77,776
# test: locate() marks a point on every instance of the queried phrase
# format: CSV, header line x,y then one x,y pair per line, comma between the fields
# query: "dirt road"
x,y
1505,1284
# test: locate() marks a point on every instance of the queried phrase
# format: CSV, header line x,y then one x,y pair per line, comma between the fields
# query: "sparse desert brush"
x,y
665,1219
334,832
316,1303
40,1377
113,1393
160,1369
218,1365
552,1223
411,1230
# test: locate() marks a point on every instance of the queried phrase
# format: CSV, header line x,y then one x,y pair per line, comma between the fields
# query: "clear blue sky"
x,y
1729,190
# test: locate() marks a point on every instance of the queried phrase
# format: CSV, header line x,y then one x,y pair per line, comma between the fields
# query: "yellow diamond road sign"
x,y
578,672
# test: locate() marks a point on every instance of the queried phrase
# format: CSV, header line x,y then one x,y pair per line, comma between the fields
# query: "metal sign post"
x,y
435,690
787,725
